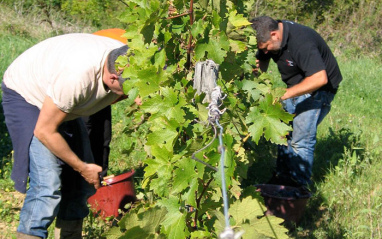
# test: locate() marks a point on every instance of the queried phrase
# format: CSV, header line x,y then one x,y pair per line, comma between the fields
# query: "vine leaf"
x,y
160,163
159,169
247,215
214,49
174,225
183,175
149,80
246,209
267,119
200,234
198,28
238,20
160,59
169,104
165,137
238,46
253,89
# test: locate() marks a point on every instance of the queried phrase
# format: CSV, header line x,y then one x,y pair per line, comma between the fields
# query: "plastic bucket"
x,y
285,202
119,191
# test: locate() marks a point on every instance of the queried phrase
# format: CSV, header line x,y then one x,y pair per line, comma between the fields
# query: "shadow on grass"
x,y
329,150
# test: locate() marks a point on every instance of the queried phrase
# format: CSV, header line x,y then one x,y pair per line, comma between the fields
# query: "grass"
x,y
347,198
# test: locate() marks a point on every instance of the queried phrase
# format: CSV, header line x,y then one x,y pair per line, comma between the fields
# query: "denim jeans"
x,y
296,159
55,189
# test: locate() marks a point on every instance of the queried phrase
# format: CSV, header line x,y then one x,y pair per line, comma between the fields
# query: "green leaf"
x,y
223,40
183,175
203,4
148,32
200,50
200,235
136,224
216,19
202,112
189,196
149,80
252,88
215,51
230,70
174,224
160,59
252,41
198,28
161,160
164,136
238,46
238,20
267,119
219,224
245,210
248,215
216,48
269,227
132,32
169,105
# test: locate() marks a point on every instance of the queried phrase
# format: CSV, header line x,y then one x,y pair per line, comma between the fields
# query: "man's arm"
x,y
46,131
308,85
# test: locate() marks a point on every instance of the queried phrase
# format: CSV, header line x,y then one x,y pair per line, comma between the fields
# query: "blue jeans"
x,y
55,189
296,159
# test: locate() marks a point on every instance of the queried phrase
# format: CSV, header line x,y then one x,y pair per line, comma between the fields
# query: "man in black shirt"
x,y
312,76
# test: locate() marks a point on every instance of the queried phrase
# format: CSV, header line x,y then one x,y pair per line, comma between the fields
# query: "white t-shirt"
x,y
68,69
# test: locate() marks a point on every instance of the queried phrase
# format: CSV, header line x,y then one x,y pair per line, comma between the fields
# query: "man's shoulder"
x,y
300,36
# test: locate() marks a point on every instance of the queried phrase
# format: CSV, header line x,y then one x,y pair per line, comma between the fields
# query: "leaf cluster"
x,y
166,39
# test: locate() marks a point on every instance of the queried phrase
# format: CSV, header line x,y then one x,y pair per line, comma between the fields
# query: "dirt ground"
x,y
10,206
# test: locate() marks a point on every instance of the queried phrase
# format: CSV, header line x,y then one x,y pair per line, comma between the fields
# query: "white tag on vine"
x,y
206,74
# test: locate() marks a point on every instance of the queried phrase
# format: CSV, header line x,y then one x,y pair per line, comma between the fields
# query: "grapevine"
x,y
166,39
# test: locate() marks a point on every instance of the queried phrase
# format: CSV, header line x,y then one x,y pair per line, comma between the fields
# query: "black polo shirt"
x,y
303,53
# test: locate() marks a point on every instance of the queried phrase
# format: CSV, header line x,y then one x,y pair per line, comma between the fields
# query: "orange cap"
x,y
114,33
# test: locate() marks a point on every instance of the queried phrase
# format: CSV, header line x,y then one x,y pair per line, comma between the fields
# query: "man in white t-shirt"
x,y
45,92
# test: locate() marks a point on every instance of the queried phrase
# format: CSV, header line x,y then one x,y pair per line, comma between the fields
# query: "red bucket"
x,y
119,191
285,202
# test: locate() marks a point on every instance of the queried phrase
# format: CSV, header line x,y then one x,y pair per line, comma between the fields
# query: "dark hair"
x,y
112,57
264,25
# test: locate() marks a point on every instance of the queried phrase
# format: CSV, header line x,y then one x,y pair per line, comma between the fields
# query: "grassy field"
x,y
347,199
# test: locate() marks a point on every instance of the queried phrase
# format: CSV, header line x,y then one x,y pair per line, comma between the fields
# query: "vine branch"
x,y
205,186
180,15
191,12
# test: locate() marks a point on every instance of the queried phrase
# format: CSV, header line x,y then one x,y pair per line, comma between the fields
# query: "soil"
x,y
11,203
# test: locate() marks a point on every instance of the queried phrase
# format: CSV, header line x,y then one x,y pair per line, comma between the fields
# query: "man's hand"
x,y
90,172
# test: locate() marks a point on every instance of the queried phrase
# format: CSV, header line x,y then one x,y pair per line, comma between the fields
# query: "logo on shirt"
x,y
290,63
